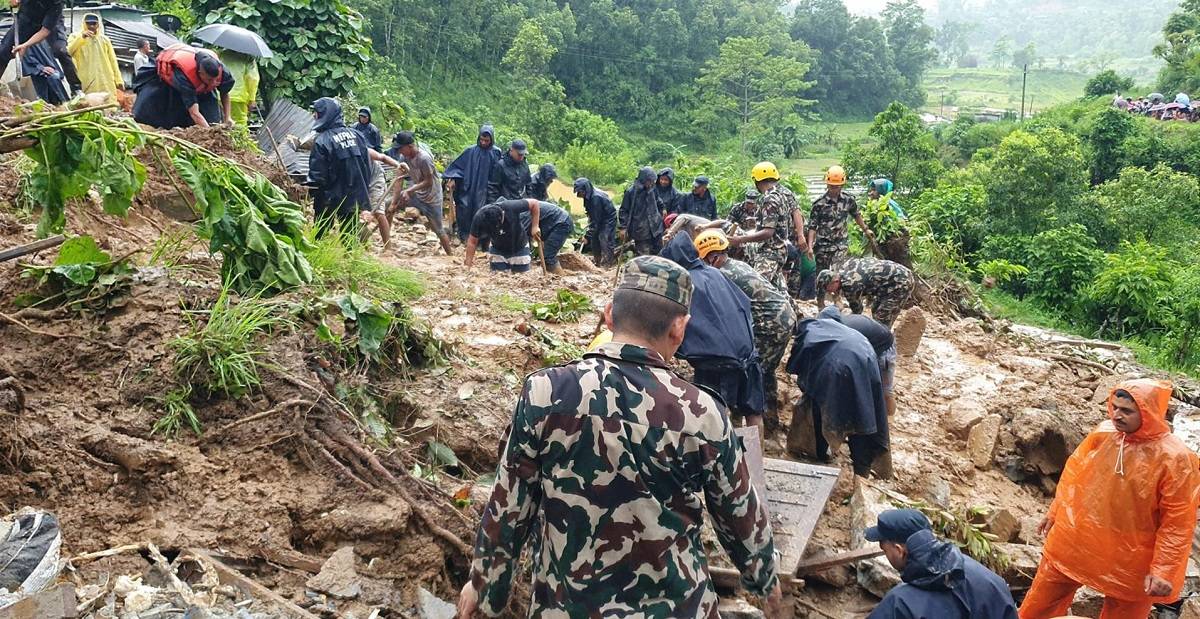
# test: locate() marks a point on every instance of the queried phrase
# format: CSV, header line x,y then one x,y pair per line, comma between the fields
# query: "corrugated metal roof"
x,y
125,35
286,118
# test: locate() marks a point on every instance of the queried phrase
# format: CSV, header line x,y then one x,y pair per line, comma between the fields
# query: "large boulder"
x,y
981,442
1037,443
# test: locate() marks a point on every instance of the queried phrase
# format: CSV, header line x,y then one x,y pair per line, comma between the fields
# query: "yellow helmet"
x,y
763,171
836,175
604,338
710,241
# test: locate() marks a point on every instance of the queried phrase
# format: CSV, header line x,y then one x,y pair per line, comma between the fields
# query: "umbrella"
x,y
235,39
1157,107
1173,106
1154,95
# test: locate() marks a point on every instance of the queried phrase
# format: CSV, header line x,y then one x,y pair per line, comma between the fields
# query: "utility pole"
x,y
1024,74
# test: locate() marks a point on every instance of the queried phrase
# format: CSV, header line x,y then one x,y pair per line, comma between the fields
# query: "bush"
x,y
954,214
599,166
1129,289
1061,263
1031,178
1107,82
660,152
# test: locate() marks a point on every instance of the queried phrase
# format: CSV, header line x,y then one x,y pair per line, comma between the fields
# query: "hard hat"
x,y
710,241
836,175
604,338
764,171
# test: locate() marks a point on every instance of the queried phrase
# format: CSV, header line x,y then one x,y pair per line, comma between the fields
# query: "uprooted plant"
x,y
383,333
82,278
251,222
222,352
961,528
567,306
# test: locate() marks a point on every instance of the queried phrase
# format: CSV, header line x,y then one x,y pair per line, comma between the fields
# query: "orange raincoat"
x,y
1126,503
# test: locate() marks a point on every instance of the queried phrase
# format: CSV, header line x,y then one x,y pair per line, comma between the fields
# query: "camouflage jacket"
x,y
828,217
776,207
620,456
869,277
770,307
740,216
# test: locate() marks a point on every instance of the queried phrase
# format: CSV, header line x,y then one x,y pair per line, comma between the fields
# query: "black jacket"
x,y
940,582
704,206
601,214
338,165
539,185
369,130
669,196
641,210
509,180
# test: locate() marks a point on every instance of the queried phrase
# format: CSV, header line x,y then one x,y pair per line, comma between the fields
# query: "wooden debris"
x,y
29,248
55,603
817,564
234,578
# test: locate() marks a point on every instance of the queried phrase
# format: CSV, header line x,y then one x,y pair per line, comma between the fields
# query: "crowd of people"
x,y
1152,105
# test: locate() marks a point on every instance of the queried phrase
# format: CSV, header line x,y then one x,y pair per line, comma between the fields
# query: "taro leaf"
x,y
372,329
81,250
193,178
441,455
79,274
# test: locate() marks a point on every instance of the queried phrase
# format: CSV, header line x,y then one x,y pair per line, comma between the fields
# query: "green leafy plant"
x,y
1002,270
384,332
567,306
83,277
1061,263
961,528
223,355
178,411
1130,288
344,263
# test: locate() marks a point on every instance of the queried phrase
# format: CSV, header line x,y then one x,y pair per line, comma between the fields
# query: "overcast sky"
x,y
873,7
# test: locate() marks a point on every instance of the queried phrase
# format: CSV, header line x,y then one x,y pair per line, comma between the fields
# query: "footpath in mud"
x,y
286,505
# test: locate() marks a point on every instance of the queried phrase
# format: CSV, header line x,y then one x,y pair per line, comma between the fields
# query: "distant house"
x,y
124,25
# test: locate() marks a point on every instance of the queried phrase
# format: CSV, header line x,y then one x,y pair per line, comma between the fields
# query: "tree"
x,y
1031,178
1129,288
750,84
1180,49
905,153
1107,83
910,40
953,40
323,51
1001,51
1105,139
1026,56
1158,206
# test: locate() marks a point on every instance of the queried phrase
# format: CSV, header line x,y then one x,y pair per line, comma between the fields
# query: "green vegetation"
x,y
222,351
567,306
346,264
82,278
976,88
177,411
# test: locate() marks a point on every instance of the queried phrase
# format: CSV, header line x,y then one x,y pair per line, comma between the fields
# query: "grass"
x,y
178,412
1001,88
349,266
512,304
224,354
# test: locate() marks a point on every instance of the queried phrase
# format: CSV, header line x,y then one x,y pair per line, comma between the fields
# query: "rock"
x,y
981,442
801,438
1105,387
963,414
1022,564
738,608
838,576
1033,370
1043,441
1028,532
1190,609
430,606
1191,578
337,576
877,576
909,329
938,491
1087,603
1003,524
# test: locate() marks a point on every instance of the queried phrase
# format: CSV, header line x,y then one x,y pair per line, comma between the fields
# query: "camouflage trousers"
x,y
773,338
770,266
830,255
890,299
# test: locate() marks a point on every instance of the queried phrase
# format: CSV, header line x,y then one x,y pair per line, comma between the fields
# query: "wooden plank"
x,y
234,578
55,603
290,558
816,564
21,250
729,578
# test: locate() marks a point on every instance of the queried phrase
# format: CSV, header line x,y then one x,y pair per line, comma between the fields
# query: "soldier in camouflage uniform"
x,y
828,237
779,220
743,217
771,309
621,457
887,283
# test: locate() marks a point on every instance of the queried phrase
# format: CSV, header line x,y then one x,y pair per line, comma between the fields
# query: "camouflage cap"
x,y
751,194
824,278
657,275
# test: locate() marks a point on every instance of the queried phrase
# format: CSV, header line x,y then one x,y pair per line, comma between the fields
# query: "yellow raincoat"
x,y
95,59
244,70
1126,503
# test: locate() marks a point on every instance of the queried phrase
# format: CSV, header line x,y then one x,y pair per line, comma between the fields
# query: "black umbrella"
x,y
235,39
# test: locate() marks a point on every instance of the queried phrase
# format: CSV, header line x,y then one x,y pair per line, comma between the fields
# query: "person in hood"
x,y
180,89
539,185
601,236
339,168
882,341
641,216
94,57
37,21
700,201
467,179
510,176
836,368
1127,495
244,69
39,65
368,129
939,580
667,193
719,341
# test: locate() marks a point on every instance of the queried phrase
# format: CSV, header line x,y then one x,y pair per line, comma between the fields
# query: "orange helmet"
x,y
836,175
